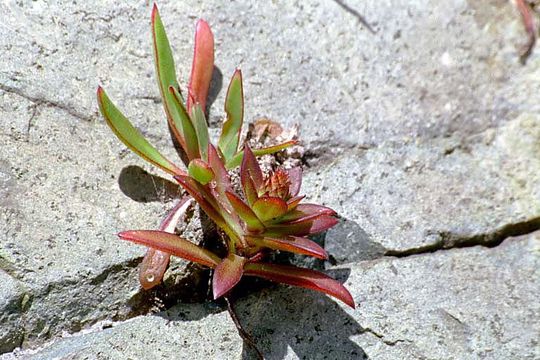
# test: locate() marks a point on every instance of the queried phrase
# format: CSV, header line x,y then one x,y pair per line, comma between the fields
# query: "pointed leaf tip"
x,y
155,262
246,214
234,108
202,65
130,136
227,274
171,244
306,278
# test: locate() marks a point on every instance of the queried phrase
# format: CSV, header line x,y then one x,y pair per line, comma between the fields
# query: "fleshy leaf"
x,y
204,201
227,274
250,191
201,128
222,181
246,214
200,171
237,158
250,169
306,211
171,244
303,227
306,278
292,203
202,65
295,177
131,137
234,107
155,262
295,244
153,267
166,75
184,122
268,208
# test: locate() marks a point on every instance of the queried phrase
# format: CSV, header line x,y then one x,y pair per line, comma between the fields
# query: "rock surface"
x,y
419,128
474,303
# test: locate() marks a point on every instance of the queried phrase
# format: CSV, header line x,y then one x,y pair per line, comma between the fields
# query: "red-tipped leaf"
x,y
199,194
227,274
295,177
253,223
130,136
237,158
250,191
171,244
268,208
153,267
306,211
202,65
251,176
294,244
305,278
302,227
222,181
155,262
292,203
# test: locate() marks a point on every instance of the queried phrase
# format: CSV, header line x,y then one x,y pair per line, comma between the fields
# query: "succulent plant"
x,y
265,216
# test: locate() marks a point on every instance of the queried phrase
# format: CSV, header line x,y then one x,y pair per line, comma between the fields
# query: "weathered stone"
x,y
430,118
13,302
457,304
413,197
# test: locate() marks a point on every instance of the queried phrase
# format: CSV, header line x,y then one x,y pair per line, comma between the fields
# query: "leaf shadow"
x,y
216,84
141,186
313,325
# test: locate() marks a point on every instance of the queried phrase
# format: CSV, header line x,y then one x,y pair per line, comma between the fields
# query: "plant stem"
x,y
243,334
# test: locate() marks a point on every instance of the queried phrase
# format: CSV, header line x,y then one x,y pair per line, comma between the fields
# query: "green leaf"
x,y
130,136
268,208
201,128
190,136
166,75
246,214
200,171
234,107
172,244
237,158
227,274
202,66
306,278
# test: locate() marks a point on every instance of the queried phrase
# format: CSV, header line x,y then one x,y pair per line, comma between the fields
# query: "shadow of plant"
x,y
314,326
141,186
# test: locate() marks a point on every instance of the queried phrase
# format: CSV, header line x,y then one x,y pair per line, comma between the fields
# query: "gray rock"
x,y
426,195
470,303
425,124
13,301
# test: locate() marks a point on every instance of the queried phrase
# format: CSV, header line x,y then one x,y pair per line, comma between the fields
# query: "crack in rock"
x,y
448,240
41,101
381,337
